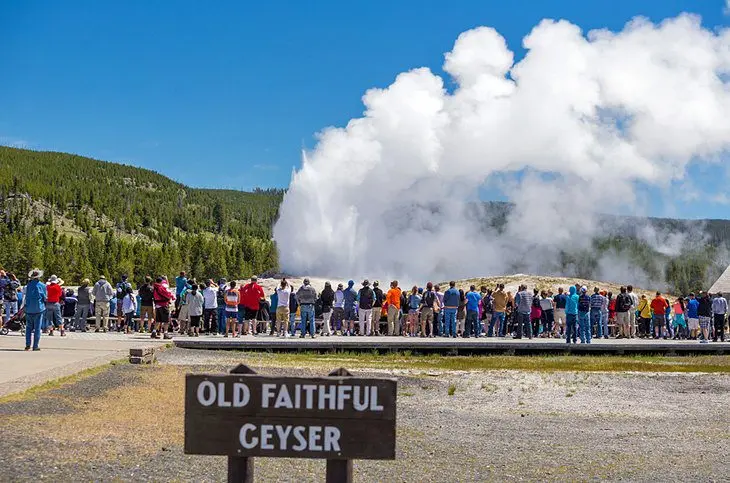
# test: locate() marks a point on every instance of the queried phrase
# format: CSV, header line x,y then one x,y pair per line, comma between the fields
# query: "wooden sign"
x,y
244,415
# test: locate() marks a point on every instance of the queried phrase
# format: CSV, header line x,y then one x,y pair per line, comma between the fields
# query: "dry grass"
x,y
123,415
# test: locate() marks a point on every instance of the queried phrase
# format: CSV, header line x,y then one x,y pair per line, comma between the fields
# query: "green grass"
x,y
539,363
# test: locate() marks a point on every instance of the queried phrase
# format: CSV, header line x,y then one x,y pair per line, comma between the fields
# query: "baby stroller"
x,y
14,323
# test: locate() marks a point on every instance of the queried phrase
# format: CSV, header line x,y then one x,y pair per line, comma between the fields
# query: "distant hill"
x,y
80,217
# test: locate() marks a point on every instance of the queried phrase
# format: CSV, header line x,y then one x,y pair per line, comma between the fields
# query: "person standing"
x,y
163,297
83,303
146,304
472,311
560,300
693,321
350,305
438,311
644,308
34,302
231,309
624,302
414,302
307,296
220,297
659,306
523,302
210,307
497,324
535,313
595,313
181,283
487,310
704,312
584,319
571,315
548,313
121,293
365,298
249,303
194,301
129,308
53,317
679,320
719,310
10,296
427,303
393,299
338,311
70,302
293,307
377,312
632,310
102,293
328,298
451,306
283,293
604,314
4,281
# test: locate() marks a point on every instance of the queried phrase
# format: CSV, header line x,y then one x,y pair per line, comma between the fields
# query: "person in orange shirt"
x,y
392,298
659,306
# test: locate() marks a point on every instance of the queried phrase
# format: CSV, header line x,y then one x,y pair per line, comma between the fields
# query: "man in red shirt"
x,y
53,317
249,297
659,306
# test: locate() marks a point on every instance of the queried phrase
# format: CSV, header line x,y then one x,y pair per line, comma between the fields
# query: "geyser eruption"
x,y
574,127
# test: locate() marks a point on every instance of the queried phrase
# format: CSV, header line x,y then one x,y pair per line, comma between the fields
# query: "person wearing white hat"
x,y
53,317
34,302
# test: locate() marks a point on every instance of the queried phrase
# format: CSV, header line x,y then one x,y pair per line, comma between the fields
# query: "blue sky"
x,y
191,88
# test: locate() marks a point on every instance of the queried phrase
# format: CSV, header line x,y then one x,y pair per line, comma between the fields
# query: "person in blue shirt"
x,y
693,319
472,311
584,320
34,301
451,305
571,316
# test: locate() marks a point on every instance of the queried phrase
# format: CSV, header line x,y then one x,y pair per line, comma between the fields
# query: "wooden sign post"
x,y
243,414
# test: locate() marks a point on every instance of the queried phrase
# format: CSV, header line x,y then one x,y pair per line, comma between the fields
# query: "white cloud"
x,y
389,193
727,7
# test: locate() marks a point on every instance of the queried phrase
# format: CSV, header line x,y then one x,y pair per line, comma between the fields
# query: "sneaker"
x,y
36,348
27,347
225,335
50,332
703,341
286,335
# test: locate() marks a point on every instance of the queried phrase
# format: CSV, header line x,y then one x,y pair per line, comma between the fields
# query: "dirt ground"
x,y
125,423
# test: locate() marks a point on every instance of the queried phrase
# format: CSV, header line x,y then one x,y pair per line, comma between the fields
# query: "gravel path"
x,y
497,426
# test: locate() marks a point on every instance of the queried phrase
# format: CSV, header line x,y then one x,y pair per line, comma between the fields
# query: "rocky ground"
x,y
125,423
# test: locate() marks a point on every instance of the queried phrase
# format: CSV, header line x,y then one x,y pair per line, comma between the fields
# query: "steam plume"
x,y
574,127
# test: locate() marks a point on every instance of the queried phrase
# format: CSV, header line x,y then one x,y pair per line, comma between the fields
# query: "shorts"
x,y
350,313
659,320
120,312
162,315
147,310
693,324
704,322
622,318
250,314
231,312
282,314
195,321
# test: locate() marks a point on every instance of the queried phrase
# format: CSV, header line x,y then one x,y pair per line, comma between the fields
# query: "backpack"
x,y
488,304
623,302
428,299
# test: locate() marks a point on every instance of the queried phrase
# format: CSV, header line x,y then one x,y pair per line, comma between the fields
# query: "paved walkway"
x,y
60,356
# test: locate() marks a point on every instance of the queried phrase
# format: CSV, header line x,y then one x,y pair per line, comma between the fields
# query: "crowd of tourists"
x,y
192,307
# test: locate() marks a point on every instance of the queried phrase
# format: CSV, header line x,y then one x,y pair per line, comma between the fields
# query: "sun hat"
x,y
53,279
36,273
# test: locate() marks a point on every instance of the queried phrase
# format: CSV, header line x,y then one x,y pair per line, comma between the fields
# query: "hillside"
x,y
79,217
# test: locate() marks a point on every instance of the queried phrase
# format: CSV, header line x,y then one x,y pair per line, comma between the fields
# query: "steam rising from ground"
x,y
575,126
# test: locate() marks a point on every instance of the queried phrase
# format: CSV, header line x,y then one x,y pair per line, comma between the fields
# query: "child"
x,y
680,324
231,309
414,301
129,308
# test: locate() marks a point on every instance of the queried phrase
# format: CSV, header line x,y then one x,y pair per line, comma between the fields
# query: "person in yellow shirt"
x,y
644,309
